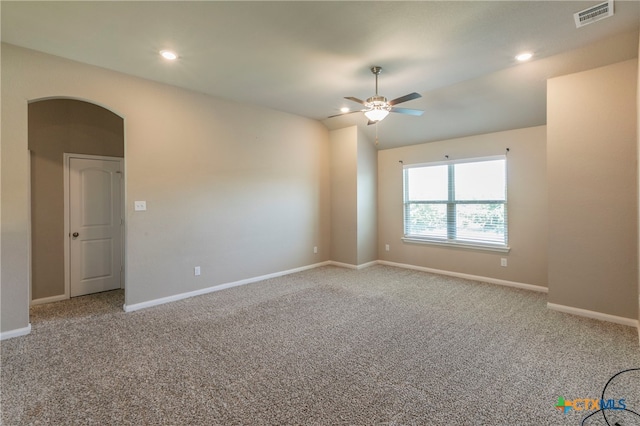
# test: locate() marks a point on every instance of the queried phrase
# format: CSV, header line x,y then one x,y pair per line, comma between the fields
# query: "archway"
x,y
59,126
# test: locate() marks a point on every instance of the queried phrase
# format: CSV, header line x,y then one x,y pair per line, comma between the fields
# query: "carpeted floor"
x,y
328,346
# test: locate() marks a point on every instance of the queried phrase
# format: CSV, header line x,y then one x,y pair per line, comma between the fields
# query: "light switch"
x,y
139,206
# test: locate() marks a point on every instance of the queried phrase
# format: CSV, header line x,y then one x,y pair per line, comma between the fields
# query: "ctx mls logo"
x,y
588,404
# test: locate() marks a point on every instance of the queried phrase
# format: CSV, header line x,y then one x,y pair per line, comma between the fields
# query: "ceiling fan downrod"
x,y
376,70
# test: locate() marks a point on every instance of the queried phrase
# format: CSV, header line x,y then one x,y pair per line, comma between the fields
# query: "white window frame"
x,y
451,203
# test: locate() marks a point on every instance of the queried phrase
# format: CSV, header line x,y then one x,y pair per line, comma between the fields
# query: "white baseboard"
x,y
594,315
351,266
176,297
368,264
343,265
16,333
50,299
506,283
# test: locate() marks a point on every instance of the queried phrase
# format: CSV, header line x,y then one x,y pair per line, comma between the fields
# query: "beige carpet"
x,y
329,346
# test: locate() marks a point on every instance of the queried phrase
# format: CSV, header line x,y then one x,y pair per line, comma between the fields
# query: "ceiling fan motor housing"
x,y
378,102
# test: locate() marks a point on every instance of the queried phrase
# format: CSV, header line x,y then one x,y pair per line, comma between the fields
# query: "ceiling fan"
x,y
377,107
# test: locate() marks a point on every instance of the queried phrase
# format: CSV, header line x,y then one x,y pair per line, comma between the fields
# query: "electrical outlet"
x,y
503,262
315,250
386,247
139,206
196,271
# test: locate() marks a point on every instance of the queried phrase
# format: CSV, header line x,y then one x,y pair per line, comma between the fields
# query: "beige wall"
x,y
59,126
241,191
344,199
14,205
527,207
593,189
367,158
353,197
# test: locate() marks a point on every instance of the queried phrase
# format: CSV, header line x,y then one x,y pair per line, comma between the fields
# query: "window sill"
x,y
468,246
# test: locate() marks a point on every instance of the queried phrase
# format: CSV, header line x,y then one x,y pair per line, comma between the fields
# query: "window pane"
x,y
481,222
427,183
427,220
475,200
484,180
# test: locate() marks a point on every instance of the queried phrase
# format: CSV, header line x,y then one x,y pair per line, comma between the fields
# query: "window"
x,y
457,203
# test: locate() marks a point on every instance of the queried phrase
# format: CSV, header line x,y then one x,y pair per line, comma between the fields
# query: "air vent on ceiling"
x,y
593,14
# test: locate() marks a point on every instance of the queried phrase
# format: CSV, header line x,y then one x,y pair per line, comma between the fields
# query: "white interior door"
x,y
95,225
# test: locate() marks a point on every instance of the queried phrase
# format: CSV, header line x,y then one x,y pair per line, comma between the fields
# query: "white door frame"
x,y
67,248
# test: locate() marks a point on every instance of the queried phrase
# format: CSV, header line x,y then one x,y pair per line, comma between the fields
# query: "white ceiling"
x,y
303,57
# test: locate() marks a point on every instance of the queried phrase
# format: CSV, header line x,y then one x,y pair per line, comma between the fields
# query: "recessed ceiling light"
x,y
167,54
344,109
524,56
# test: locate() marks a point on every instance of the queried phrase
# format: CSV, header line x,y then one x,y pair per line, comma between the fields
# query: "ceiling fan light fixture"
x,y
377,108
376,114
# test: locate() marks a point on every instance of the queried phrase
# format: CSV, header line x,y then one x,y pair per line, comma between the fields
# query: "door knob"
x,y
75,235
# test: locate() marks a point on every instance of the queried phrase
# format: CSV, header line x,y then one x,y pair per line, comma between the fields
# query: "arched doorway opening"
x,y
59,129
